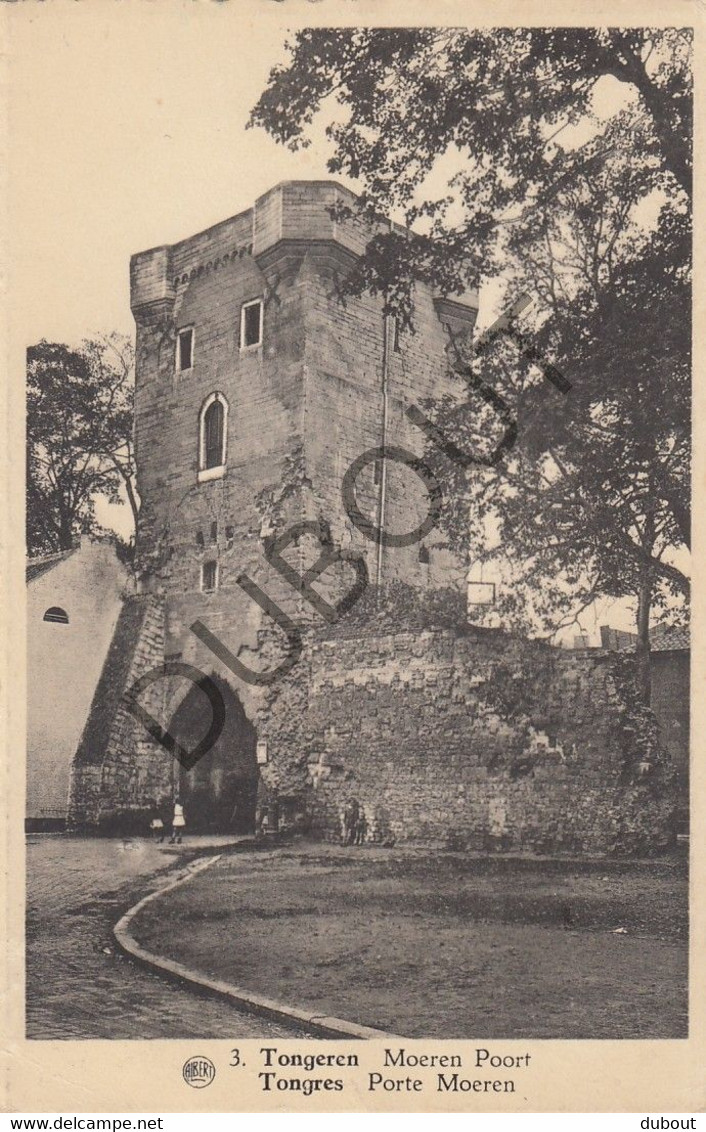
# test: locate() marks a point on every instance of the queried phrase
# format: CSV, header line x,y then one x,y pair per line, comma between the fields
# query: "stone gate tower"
x,y
256,390
257,387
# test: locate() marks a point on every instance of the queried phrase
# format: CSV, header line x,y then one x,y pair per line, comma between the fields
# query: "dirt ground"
x,y
444,945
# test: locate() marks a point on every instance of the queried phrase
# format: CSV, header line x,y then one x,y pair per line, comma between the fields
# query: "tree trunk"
x,y
626,65
130,491
642,650
66,533
132,499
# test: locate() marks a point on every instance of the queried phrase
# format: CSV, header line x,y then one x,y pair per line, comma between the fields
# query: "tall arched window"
x,y
212,436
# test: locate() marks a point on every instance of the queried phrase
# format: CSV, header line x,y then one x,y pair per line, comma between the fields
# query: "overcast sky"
x,y
128,133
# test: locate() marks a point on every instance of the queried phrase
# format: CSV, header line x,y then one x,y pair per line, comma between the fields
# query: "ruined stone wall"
x,y
470,737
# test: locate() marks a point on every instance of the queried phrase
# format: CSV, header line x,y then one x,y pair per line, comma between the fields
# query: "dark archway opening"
x,y
219,793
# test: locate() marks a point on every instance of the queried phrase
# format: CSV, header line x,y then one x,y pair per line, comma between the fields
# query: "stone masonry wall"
x,y
119,771
469,737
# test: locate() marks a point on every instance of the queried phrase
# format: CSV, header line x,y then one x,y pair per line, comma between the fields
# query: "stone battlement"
x,y
293,212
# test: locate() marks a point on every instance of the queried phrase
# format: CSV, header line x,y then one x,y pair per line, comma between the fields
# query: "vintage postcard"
x,y
349,633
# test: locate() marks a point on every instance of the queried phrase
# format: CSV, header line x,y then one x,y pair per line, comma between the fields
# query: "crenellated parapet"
x,y
285,223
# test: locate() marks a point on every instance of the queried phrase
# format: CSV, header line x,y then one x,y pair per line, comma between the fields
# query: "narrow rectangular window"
x,y
251,324
396,343
185,348
209,577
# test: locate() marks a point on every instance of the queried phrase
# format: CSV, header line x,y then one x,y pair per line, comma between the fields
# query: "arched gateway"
x,y
219,793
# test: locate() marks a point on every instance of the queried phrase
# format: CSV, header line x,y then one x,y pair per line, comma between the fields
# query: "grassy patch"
x,y
442,945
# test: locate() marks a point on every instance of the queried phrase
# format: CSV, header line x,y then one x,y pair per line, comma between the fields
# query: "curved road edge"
x,y
320,1025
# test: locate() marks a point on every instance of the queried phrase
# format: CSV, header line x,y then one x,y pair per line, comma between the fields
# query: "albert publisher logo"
x,y
198,1072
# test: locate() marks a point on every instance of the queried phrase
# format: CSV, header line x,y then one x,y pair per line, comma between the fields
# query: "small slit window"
x,y
185,349
57,615
209,577
251,324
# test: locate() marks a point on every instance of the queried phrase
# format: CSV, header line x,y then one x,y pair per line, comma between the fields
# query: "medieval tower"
x,y
257,389
272,440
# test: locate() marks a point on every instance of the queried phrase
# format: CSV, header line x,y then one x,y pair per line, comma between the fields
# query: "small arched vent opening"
x,y
57,615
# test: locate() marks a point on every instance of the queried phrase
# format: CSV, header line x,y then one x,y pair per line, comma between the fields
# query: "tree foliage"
x,y
494,105
597,486
79,437
564,156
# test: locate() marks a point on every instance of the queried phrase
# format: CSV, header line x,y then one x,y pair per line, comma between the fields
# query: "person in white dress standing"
x,y
178,823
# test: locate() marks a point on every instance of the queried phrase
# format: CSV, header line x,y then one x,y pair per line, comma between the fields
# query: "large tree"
x,y
79,437
564,157
494,109
588,500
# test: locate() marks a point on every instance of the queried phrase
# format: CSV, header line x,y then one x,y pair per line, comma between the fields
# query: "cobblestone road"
x,y
77,985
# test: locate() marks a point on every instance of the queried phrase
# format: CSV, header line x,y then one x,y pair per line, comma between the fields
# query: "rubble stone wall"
x,y
471,738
